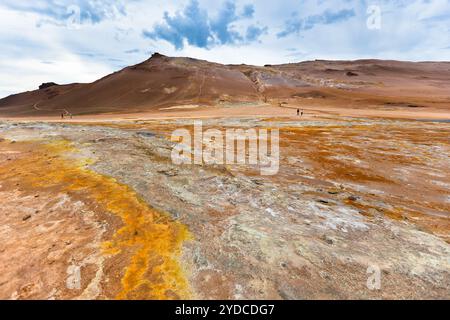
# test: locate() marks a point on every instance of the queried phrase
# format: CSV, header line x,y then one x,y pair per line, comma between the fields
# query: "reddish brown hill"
x,y
162,82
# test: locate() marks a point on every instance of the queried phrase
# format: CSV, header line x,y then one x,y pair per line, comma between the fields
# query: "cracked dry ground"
x,y
100,212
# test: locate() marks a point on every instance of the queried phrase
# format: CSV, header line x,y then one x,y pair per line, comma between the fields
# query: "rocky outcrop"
x,y
47,85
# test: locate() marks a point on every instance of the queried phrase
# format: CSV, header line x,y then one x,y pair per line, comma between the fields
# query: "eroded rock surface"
x,y
352,197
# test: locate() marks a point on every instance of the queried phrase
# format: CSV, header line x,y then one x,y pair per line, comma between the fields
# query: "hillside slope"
x,y
162,82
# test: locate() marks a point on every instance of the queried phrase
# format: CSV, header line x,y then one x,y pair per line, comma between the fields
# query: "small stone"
x,y
328,239
258,182
168,173
146,134
27,217
175,214
324,275
353,198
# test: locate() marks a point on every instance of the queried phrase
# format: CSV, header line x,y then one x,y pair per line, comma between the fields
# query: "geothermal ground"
x,y
99,211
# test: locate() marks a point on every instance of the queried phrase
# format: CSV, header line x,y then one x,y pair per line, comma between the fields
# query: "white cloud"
x,y
39,45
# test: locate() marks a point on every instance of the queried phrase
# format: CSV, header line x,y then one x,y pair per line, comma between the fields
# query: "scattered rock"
x,y
328,239
324,275
27,217
258,182
146,134
175,214
169,173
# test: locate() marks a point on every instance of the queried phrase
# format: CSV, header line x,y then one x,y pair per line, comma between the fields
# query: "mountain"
x,y
161,82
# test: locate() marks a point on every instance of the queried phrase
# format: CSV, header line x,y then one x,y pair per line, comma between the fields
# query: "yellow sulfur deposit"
x,y
151,239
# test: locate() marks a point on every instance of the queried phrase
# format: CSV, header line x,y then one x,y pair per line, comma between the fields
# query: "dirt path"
x,y
263,110
35,106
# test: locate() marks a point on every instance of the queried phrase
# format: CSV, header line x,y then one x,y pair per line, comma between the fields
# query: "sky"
x,y
66,41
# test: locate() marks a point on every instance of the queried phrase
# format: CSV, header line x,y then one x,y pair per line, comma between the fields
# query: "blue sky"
x,y
81,40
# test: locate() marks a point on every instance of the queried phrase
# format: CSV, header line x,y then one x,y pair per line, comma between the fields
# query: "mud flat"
x,y
99,211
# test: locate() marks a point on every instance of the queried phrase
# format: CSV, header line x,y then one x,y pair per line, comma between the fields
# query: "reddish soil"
x,y
154,87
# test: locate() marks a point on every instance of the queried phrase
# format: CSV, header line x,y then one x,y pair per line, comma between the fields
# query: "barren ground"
x,y
95,209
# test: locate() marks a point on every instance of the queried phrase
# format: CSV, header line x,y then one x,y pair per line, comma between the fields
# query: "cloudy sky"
x,y
81,40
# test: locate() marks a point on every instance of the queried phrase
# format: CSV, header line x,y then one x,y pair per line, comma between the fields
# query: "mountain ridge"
x,y
161,81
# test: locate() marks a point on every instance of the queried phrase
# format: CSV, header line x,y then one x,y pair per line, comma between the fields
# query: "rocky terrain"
x,y
99,211
162,83
93,207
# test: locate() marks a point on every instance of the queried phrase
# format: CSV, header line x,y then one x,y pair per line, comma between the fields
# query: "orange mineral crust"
x,y
131,242
100,211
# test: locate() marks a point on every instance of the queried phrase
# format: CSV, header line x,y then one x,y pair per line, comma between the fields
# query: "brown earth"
x,y
161,83
94,207
99,211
